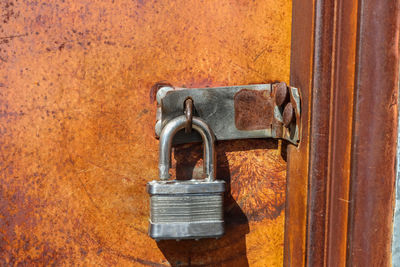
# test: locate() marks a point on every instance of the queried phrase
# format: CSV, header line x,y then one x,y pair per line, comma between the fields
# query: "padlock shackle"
x,y
167,135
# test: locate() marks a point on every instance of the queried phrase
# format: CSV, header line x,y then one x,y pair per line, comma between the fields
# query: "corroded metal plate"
x,y
233,112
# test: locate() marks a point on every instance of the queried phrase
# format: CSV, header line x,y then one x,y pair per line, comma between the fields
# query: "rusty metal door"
x,y
340,181
77,128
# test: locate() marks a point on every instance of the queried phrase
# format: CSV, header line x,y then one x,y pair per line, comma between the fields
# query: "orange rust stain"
x,y
77,139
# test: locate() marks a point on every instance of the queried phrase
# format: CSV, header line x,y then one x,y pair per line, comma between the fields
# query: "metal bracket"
x,y
234,112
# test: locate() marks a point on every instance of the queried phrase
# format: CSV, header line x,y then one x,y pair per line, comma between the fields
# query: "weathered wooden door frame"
x,y
340,182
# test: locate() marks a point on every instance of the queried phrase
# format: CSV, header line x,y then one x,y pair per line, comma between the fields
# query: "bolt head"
x,y
281,93
288,114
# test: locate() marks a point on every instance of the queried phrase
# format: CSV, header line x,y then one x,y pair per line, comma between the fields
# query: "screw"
x,y
288,113
281,93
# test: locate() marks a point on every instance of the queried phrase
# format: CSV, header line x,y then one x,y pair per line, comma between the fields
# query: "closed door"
x,y
77,128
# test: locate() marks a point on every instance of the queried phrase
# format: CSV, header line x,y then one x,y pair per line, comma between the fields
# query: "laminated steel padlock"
x,y
186,209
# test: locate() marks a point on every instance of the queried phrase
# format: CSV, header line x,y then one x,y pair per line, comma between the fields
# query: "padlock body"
x,y
190,209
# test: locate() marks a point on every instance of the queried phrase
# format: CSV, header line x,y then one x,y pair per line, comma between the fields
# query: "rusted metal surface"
x,y
374,134
254,110
320,131
233,112
77,128
341,127
189,115
281,93
220,107
349,170
288,114
297,172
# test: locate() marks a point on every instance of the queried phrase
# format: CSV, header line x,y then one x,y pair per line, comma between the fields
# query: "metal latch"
x,y
234,112
194,209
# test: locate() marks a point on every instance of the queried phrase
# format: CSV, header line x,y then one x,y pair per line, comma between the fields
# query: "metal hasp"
x,y
193,209
186,209
234,112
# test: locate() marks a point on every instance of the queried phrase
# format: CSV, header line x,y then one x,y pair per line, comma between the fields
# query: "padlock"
x,y
186,209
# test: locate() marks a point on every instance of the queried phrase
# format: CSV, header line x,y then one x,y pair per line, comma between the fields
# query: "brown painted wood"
x,y
77,139
349,166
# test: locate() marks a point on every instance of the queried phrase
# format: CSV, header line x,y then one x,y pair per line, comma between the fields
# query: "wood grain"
x,y
77,139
